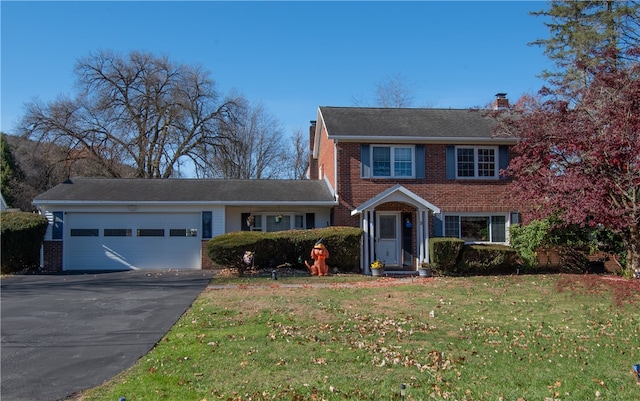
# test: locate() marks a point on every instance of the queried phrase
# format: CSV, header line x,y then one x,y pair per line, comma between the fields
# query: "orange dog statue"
x,y
319,254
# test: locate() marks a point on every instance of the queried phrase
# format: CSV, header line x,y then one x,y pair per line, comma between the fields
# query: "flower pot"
x,y
377,272
424,272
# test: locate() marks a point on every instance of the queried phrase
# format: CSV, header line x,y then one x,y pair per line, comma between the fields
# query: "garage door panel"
x,y
123,248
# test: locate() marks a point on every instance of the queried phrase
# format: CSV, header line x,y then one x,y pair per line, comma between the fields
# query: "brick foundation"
x,y
205,262
52,256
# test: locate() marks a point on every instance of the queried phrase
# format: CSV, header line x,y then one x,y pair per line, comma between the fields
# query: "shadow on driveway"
x,y
66,333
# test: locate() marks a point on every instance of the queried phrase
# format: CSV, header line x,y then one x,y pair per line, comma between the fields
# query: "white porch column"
x,y
372,240
420,236
368,240
423,236
363,242
426,235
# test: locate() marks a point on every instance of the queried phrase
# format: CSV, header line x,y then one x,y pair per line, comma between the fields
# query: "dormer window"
x,y
392,161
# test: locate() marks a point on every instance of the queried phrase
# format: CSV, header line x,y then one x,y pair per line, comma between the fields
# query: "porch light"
x,y
278,218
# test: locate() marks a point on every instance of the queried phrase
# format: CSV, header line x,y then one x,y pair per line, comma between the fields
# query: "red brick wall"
x,y
206,263
52,256
448,195
326,157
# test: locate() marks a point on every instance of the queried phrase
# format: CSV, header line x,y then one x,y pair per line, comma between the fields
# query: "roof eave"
x,y
43,202
426,140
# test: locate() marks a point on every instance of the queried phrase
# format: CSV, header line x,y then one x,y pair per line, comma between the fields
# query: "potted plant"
x,y
424,270
377,268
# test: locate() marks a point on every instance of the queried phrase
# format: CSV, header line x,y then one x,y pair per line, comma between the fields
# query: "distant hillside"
x,y
45,165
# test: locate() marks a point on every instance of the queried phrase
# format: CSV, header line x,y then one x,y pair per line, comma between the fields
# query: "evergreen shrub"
x,y
483,259
21,238
291,247
444,254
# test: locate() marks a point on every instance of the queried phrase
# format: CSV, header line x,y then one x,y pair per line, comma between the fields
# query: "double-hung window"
x,y
392,161
476,162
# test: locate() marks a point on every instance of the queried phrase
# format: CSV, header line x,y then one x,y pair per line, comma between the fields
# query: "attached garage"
x,y
124,224
117,241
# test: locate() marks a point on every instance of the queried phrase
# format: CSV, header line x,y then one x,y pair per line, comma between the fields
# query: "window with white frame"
x,y
276,222
392,161
476,228
476,162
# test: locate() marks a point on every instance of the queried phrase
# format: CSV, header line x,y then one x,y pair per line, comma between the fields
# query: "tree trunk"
x,y
633,252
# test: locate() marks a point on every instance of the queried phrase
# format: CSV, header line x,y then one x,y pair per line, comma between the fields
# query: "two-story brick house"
x,y
404,175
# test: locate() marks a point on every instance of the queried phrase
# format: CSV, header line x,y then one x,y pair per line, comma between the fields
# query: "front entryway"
x,y
387,242
396,229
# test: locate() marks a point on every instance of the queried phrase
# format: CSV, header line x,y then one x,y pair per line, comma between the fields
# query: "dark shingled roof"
x,y
435,124
105,190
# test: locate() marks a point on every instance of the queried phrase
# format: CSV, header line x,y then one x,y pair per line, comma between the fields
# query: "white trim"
x,y
396,193
316,137
185,203
428,140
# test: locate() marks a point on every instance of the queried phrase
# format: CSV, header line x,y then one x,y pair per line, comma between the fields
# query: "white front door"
x,y
387,240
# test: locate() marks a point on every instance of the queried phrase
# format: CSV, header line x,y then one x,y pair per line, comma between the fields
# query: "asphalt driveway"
x,y
65,333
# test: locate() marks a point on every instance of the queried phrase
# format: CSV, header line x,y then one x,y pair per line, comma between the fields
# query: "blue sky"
x,y
290,56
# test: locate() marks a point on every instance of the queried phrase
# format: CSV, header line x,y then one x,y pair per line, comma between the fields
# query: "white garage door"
x,y
121,241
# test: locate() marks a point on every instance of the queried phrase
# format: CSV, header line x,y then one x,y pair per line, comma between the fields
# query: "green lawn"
x,y
538,337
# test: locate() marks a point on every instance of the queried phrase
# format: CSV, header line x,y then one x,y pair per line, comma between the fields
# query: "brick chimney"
x,y
501,101
313,163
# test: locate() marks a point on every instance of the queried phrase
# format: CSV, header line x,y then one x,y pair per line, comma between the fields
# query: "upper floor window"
x,y
392,161
476,162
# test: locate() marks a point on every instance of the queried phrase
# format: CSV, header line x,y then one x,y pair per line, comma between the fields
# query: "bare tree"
x,y
395,91
392,91
253,147
298,158
139,109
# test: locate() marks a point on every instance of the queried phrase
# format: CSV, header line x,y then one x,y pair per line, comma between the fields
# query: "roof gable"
x,y
397,193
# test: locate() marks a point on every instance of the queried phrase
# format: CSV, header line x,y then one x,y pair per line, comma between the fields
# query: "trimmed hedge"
x,y
21,238
451,257
286,247
488,259
444,254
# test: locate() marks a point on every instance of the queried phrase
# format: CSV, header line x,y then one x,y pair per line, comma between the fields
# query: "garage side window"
x,y
117,232
183,232
207,227
57,226
84,232
150,232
